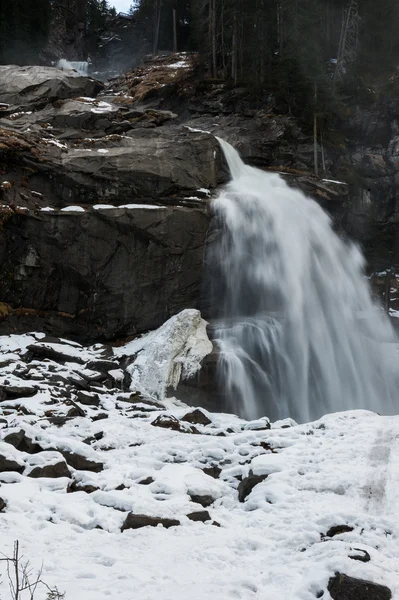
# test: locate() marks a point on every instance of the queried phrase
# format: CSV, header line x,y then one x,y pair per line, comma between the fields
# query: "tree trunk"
x,y
174,31
316,154
158,9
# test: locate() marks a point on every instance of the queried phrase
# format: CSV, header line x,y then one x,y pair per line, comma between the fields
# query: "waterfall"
x,y
299,334
82,67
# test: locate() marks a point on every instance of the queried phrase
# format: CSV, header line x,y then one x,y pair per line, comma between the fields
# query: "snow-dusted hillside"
x,y
251,511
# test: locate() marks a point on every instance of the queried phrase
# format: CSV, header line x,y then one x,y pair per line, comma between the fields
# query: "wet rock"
x,y
137,521
205,500
81,463
3,504
342,587
170,422
197,417
199,516
247,484
86,295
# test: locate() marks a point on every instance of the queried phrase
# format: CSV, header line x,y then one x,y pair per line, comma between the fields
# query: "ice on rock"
x,y
165,356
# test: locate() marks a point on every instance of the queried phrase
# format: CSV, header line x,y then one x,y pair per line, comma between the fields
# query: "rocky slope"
x,y
114,486
132,166
104,211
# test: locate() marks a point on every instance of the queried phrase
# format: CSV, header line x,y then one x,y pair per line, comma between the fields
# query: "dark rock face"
x,y
101,274
342,587
137,521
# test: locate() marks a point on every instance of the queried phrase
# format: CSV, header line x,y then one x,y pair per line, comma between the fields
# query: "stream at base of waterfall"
x,y
298,332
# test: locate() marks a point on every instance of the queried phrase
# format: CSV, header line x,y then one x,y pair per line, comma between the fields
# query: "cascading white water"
x,y
82,67
299,333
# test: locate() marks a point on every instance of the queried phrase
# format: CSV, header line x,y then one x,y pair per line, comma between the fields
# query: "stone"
x,y
8,464
58,469
88,398
361,555
338,529
205,500
43,351
146,481
87,489
137,521
197,417
18,391
213,471
99,417
170,422
247,484
34,84
104,366
22,442
81,463
201,516
3,504
342,587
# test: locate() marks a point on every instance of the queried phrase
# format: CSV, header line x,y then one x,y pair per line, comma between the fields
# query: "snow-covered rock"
x,y
295,504
165,356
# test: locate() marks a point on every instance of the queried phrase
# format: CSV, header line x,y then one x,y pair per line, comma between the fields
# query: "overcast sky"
x,y
121,5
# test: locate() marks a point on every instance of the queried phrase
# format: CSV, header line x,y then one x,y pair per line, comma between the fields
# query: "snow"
x,y
333,181
47,209
103,151
103,107
73,209
340,470
103,206
55,142
181,64
149,206
204,191
193,130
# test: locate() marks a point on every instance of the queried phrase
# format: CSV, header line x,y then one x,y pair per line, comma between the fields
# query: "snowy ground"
x,y
340,471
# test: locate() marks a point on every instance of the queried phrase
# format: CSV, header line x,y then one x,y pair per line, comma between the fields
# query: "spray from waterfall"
x,y
82,67
299,334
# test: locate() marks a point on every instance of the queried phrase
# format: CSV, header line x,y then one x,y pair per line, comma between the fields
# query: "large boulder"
x,y
342,587
100,274
143,164
22,86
